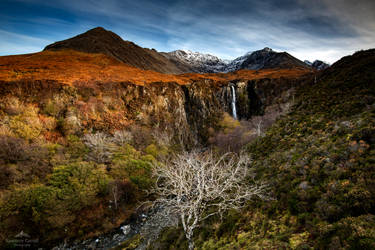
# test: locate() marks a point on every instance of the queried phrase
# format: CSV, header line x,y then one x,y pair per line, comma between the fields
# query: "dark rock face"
x,y
203,108
269,59
254,96
99,40
319,65
265,59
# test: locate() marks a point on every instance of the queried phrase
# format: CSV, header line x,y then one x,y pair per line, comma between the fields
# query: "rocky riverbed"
x,y
111,239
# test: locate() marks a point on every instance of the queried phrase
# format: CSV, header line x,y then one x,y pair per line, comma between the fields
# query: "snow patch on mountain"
x,y
253,60
199,62
308,62
236,63
317,64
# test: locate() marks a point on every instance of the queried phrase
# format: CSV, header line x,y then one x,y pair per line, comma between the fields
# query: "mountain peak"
x,y
198,62
97,29
265,58
100,40
267,49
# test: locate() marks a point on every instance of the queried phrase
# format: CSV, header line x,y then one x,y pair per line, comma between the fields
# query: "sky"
x,y
309,30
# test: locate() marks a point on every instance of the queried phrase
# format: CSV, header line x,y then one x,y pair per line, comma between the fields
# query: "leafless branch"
x,y
196,186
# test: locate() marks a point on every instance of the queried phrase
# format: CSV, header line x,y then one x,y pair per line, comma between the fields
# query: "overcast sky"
x,y
313,29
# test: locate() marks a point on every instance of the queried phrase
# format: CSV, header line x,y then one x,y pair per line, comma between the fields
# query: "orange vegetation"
x,y
72,67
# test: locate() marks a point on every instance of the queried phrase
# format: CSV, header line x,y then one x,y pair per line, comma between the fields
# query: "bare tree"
x,y
196,186
100,147
121,137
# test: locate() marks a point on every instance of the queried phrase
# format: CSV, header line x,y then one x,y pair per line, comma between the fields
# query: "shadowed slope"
x,y
99,40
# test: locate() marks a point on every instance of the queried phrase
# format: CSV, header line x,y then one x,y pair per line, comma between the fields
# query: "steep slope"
x,y
265,59
99,40
319,163
198,62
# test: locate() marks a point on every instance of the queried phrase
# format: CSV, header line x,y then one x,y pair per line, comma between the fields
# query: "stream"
x,y
111,239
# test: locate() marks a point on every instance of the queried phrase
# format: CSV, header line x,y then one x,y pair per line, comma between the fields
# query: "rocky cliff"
x,y
184,111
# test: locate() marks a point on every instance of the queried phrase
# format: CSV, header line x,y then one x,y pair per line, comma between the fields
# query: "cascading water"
x,y
234,111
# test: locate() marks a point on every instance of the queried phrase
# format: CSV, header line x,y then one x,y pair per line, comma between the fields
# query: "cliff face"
x,y
187,112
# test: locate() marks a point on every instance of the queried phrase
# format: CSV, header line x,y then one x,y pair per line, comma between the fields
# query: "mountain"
x,y
308,62
317,64
236,63
99,40
198,62
260,59
265,59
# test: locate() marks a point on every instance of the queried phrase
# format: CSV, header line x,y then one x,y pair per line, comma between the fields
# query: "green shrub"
x,y
30,203
79,183
156,151
26,124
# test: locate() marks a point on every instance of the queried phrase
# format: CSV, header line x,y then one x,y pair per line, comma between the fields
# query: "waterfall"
x,y
234,111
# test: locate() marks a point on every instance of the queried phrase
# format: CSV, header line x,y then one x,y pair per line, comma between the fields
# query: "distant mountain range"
x,y
99,40
197,62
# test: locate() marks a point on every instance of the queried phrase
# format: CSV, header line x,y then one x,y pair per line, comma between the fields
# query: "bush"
x,y
122,137
75,148
128,163
71,123
27,124
79,183
12,150
156,151
12,106
54,106
30,203
141,137
100,147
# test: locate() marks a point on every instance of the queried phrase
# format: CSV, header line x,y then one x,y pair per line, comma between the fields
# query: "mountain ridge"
x,y
100,40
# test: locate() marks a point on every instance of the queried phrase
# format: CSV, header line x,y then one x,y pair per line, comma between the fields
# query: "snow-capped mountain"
x,y
264,59
308,62
236,63
261,59
317,64
198,62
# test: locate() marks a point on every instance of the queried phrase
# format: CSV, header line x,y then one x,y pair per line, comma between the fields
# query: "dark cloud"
x,y
325,29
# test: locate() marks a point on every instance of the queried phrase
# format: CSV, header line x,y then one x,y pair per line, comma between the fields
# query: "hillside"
x,y
80,130
319,162
99,40
70,67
